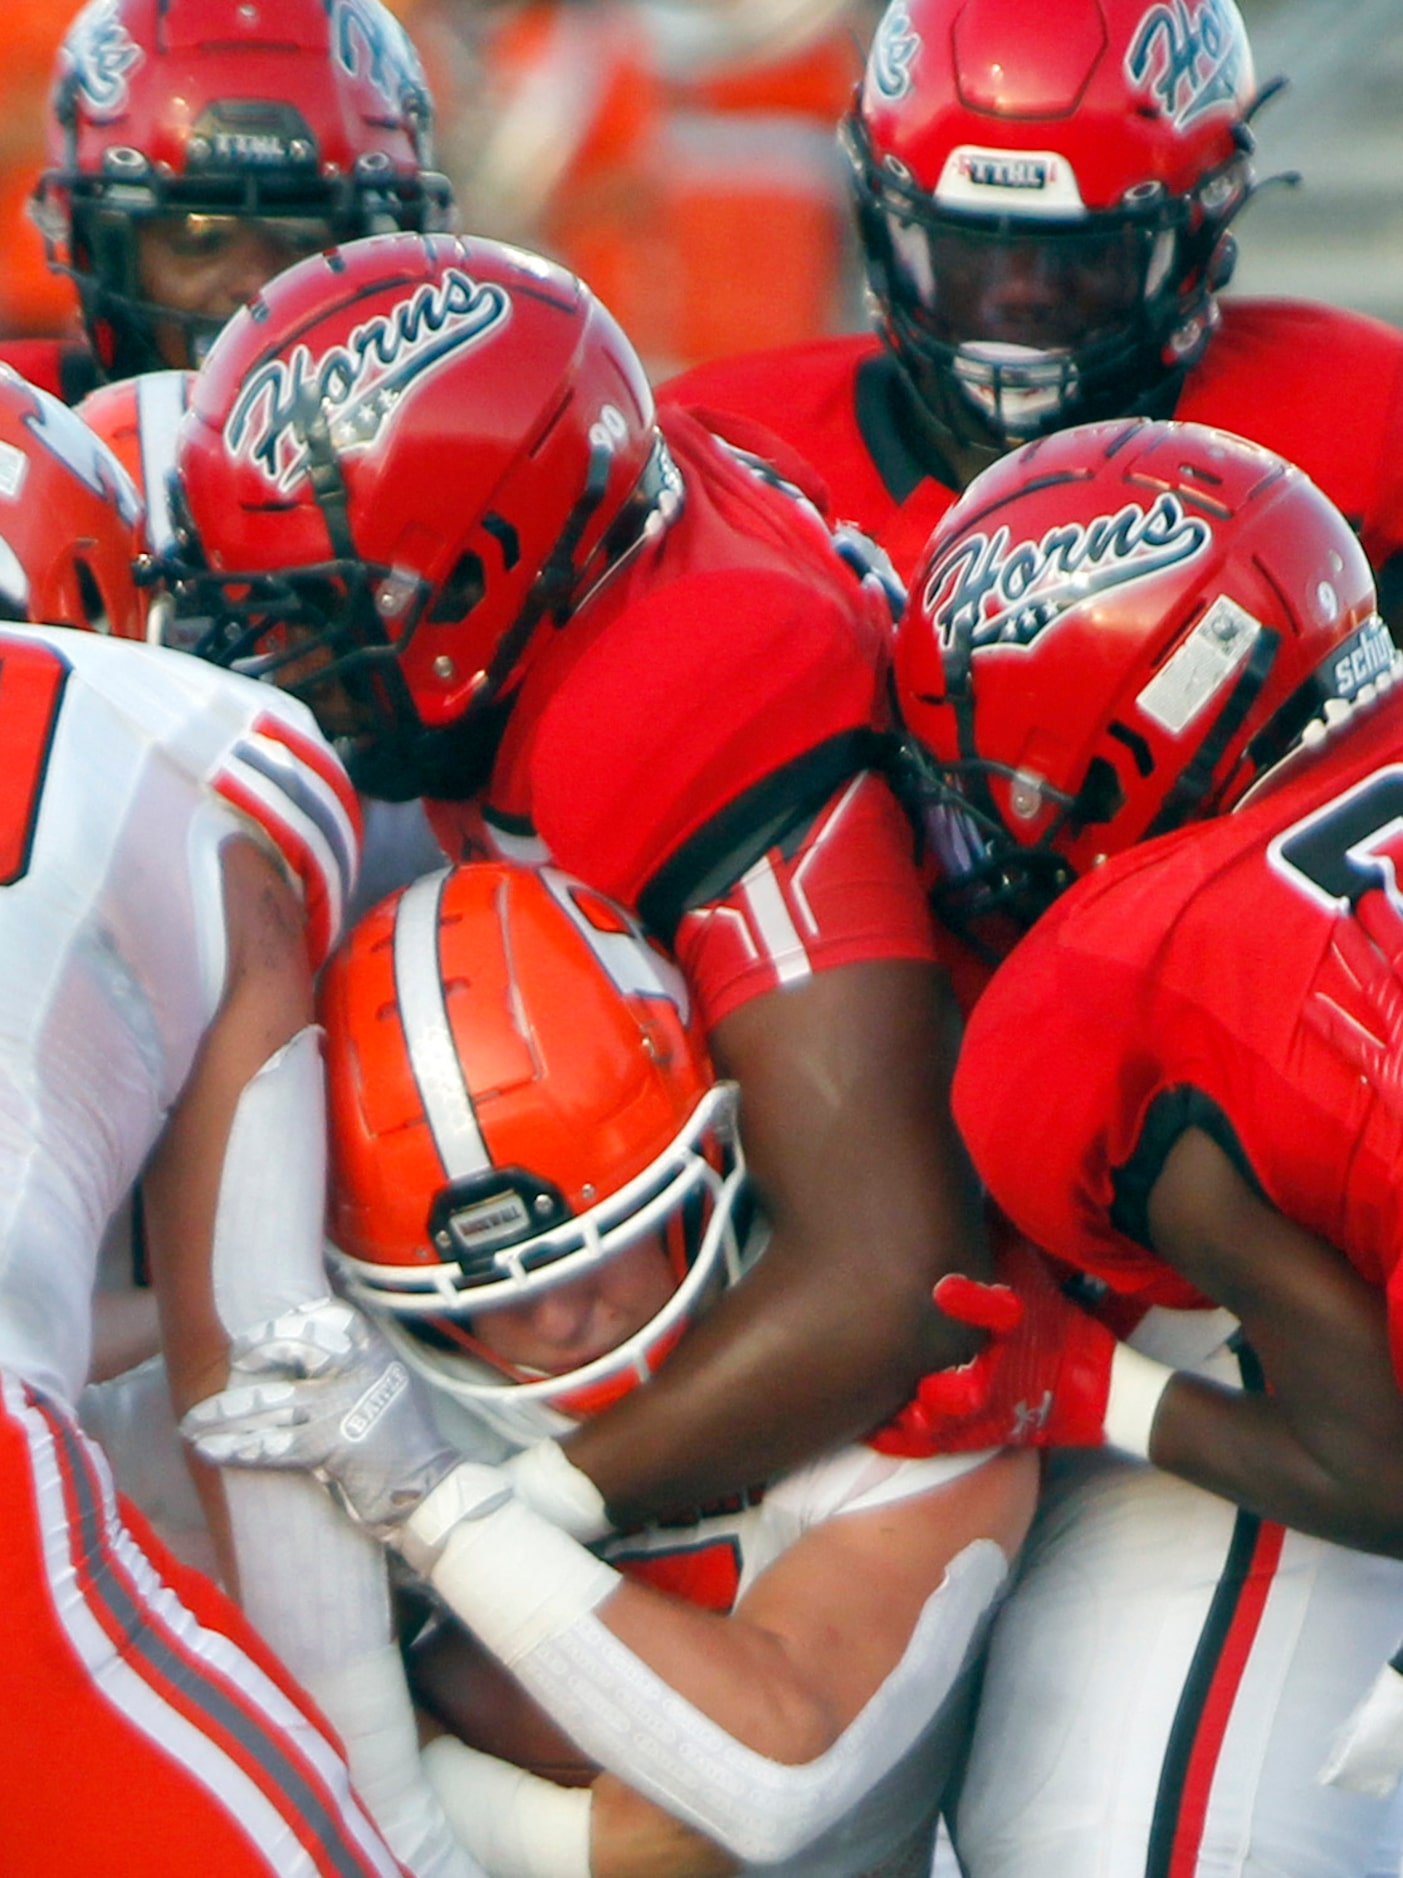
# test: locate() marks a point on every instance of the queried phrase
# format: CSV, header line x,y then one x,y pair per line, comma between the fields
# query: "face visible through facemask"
x,y
571,1324
207,266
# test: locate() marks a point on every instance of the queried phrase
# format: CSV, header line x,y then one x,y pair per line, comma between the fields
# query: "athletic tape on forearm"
x,y
312,1584
516,1824
622,1714
1137,1383
511,1576
548,1480
268,1229
367,1702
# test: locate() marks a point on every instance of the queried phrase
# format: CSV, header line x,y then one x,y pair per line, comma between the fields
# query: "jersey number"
x,y
1352,844
32,677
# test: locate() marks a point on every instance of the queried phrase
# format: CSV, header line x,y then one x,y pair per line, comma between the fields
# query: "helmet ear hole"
x,y
460,593
94,606
1100,798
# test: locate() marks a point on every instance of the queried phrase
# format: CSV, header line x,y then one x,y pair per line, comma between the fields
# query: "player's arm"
x,y
813,1643
267,1002
844,1072
760,1730
234,1201
1322,1450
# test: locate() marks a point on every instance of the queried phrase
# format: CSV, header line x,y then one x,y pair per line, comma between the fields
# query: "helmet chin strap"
x,y
453,760
309,420
554,586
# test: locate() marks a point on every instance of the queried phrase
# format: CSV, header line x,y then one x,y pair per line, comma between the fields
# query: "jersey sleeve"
x,y
289,784
1053,1089
713,718
844,891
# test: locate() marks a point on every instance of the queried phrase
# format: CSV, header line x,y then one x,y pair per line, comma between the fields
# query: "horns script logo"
x,y
1189,63
359,385
99,51
893,49
985,592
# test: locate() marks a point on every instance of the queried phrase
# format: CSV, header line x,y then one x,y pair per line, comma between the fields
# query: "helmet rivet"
x,y
541,1203
1025,797
444,668
587,1192
443,1241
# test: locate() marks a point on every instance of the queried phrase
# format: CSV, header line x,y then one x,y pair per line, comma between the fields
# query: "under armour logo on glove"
x,y
1042,1380
319,1388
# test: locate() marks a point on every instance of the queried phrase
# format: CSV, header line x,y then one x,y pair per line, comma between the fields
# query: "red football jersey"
x,y
1321,387
701,716
1217,978
64,367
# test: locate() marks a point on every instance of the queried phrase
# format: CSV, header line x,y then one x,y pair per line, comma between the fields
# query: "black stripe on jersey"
x,y
879,398
1238,1568
778,808
146,1649
1172,1113
287,776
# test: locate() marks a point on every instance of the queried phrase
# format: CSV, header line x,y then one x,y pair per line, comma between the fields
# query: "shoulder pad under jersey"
x,y
256,749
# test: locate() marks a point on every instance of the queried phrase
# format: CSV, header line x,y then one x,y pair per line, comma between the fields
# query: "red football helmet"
x,y
70,519
137,418
311,117
1115,631
518,1093
1043,194
399,458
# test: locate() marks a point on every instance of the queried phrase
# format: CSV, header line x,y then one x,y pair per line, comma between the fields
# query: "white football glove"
x,y
319,1388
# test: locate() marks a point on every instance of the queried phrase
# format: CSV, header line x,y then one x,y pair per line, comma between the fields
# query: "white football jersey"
x,y
126,768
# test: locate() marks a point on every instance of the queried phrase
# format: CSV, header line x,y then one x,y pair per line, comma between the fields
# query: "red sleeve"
x,y
62,367
704,711
848,892
1054,1080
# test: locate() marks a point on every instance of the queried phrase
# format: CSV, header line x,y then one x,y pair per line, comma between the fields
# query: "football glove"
x,y
320,1389
1042,1379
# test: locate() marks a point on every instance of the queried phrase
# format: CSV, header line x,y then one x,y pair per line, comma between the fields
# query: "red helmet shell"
x,y
467,389
1133,618
1103,98
70,519
176,89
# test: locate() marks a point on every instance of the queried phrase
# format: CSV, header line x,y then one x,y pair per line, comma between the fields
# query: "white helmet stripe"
x,y
428,1037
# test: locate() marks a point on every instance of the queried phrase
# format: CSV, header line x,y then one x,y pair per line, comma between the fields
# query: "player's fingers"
x,y
274,1404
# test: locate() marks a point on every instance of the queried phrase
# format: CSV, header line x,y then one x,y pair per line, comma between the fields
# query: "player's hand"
x,y
1042,1379
320,1389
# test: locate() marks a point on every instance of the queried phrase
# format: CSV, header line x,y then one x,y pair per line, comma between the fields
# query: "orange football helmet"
x,y
518,1093
70,519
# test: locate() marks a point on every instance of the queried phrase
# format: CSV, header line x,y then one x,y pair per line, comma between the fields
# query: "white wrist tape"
x,y
514,1823
1137,1383
1367,1754
512,1577
548,1480
626,1717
